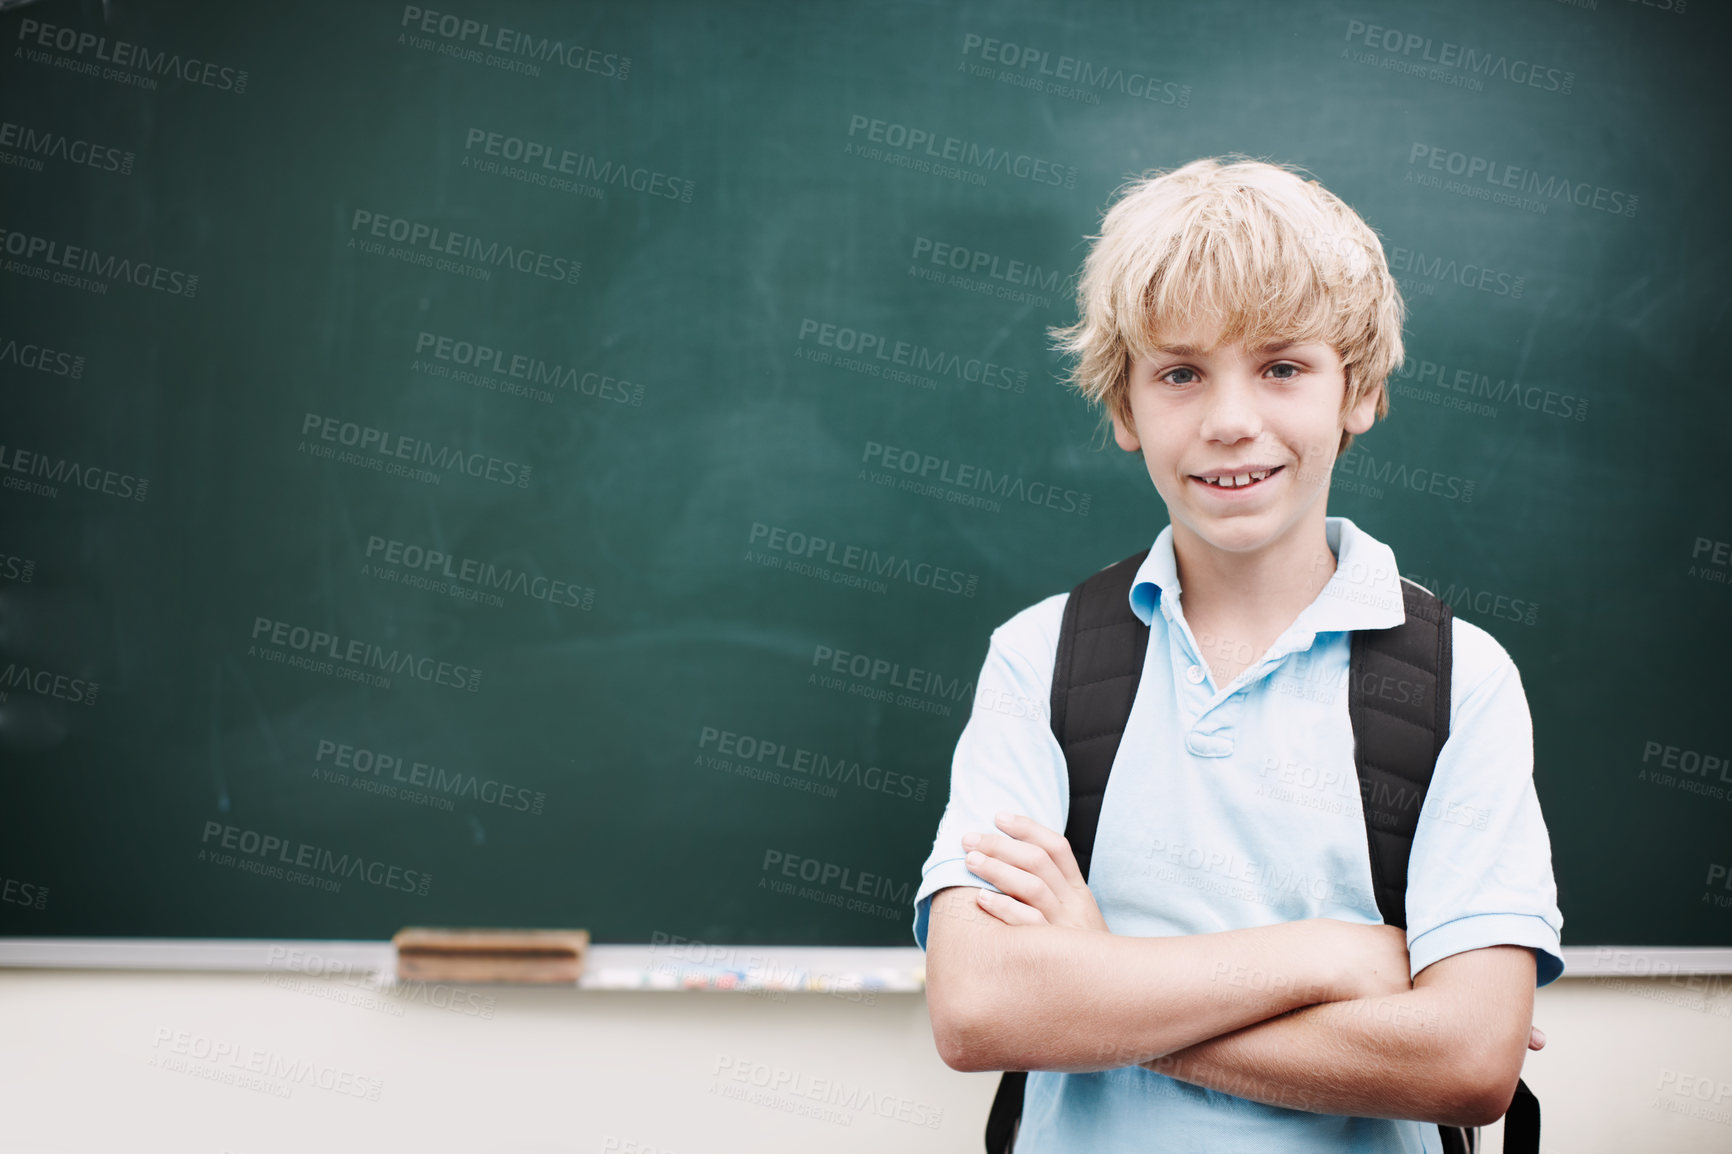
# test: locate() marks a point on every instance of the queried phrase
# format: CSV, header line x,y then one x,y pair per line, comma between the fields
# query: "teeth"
x,y
1237,480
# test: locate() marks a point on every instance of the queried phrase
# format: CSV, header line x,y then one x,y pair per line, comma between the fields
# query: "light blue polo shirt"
x,y
1238,806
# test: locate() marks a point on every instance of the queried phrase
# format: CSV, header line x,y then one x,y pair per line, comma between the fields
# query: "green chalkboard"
x,y
555,464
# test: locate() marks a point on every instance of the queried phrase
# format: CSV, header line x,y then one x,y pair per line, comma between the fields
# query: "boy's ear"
x,y
1125,434
1363,414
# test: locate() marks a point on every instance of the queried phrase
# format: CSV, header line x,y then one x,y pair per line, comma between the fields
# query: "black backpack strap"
x,y
1101,644
1095,674
1521,1122
1006,1115
1398,703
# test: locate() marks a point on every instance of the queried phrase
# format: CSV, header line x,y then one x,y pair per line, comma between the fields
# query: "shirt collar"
x,y
1363,593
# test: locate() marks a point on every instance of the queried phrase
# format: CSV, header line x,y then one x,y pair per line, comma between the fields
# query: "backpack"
x,y
1095,674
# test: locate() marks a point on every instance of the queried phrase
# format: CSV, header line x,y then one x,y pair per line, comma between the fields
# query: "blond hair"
x,y
1251,247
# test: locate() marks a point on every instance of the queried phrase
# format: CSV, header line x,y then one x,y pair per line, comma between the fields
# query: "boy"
x,y
1224,980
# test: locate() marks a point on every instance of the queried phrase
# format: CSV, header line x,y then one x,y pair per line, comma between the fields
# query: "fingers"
x,y
1008,910
1025,854
1034,866
1536,1038
1019,883
1054,843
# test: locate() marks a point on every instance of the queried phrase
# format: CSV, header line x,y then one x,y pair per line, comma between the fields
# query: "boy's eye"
x,y
1171,374
1285,365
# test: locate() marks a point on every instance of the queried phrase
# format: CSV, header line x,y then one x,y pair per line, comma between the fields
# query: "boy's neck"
x,y
1262,592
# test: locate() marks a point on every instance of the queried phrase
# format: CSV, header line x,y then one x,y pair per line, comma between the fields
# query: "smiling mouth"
x,y
1234,482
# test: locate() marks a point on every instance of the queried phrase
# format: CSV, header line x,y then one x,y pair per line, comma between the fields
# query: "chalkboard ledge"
x,y
682,965
685,965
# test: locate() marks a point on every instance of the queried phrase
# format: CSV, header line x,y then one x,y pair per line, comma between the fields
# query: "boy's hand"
x,y
1372,958
1039,877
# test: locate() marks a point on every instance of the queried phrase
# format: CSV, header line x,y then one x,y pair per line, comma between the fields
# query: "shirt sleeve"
x,y
1007,759
1480,873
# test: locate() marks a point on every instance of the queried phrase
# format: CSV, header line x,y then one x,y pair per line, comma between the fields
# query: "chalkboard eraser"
x,y
483,955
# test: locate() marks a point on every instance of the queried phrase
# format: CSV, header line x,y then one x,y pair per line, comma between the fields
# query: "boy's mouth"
x,y
1236,481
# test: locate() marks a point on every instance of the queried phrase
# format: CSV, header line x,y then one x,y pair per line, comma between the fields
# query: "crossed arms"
x,y
1316,1015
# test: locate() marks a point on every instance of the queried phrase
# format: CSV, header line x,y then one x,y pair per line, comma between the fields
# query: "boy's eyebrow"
x,y
1192,350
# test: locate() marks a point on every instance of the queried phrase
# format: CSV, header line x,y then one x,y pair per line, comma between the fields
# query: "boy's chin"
x,y
1245,534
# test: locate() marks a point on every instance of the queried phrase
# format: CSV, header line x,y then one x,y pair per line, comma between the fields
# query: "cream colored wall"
x,y
88,1064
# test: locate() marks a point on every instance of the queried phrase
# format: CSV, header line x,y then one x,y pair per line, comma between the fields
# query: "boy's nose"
x,y
1232,414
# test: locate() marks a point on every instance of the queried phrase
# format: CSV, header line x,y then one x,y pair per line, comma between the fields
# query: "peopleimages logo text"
x,y
384,443
862,559
331,649
301,855
462,30
123,54
433,239
103,266
986,158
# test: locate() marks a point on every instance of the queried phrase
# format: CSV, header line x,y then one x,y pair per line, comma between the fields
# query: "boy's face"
x,y
1204,418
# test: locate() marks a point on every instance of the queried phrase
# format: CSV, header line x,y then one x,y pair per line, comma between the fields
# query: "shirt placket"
x,y
1213,713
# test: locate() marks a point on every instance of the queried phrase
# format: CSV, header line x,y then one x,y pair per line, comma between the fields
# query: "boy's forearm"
x,y
1387,1057
1450,1050
1046,998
